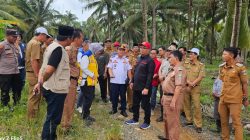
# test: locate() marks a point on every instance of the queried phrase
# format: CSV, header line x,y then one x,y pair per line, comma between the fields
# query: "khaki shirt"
x,y
232,78
109,51
9,58
74,68
176,77
194,70
132,61
34,51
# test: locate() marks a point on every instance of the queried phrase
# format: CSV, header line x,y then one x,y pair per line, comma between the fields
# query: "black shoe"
x,y
160,119
130,110
198,130
113,112
105,100
162,138
188,124
124,113
183,114
89,118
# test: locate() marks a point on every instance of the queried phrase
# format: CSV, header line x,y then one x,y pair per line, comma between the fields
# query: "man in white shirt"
x,y
119,68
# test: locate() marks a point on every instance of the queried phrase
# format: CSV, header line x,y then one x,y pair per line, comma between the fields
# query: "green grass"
x,y
16,123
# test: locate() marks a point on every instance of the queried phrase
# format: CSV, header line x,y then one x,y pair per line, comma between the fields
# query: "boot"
x,y
218,126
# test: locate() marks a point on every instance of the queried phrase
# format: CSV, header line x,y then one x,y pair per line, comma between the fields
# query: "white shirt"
x,y
84,63
120,68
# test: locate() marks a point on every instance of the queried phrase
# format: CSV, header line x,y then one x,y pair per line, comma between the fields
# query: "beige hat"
x,y
171,48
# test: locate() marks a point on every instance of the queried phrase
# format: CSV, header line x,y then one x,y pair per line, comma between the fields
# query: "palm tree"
x,y
144,19
101,6
33,13
236,24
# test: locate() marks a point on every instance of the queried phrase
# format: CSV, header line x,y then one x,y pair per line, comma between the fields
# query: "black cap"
x,y
107,40
66,31
12,32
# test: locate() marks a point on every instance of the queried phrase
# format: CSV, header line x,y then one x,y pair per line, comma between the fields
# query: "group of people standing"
x,y
56,69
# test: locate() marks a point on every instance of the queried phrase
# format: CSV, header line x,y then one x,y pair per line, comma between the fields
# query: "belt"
x,y
168,94
194,86
30,71
73,78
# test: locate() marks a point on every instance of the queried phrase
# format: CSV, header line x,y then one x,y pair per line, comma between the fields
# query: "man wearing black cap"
x,y
54,80
9,77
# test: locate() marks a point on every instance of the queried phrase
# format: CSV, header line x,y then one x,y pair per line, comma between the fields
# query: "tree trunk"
x,y
154,24
190,5
194,27
236,24
144,20
109,20
213,10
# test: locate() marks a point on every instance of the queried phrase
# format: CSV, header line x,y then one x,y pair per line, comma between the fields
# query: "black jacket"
x,y
144,71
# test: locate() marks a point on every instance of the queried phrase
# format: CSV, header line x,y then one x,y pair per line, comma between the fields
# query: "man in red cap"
x,y
116,45
141,85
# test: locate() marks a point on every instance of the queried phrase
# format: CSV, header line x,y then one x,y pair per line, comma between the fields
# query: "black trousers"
x,y
88,97
161,94
7,82
118,90
103,86
55,104
144,100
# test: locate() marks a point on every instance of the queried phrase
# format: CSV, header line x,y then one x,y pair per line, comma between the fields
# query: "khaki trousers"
x,y
69,103
193,97
33,99
234,110
172,117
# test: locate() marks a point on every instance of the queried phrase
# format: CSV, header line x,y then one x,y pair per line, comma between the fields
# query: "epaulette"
x,y
239,64
223,64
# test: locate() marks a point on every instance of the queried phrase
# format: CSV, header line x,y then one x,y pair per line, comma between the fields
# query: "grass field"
x,y
15,124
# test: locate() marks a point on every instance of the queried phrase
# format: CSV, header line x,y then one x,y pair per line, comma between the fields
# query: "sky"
x,y
75,6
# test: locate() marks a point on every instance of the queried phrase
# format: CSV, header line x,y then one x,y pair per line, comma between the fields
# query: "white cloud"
x,y
75,6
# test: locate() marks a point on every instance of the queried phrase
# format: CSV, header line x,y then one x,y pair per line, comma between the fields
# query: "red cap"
x,y
116,44
146,44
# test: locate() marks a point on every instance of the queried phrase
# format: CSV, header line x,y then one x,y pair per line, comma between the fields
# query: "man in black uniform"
x,y
141,86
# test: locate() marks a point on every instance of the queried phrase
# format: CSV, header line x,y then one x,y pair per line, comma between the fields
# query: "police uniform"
x,y
132,61
69,102
9,77
194,70
176,77
230,104
119,67
33,52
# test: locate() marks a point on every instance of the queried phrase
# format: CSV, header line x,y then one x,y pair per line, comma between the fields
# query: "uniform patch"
x,y
244,72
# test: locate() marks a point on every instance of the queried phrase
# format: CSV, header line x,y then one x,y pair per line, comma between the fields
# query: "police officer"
x,y
195,73
172,98
69,102
142,86
54,80
132,60
119,68
33,63
234,93
9,73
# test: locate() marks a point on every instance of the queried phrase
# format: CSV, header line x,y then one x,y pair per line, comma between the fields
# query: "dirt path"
x,y
187,133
